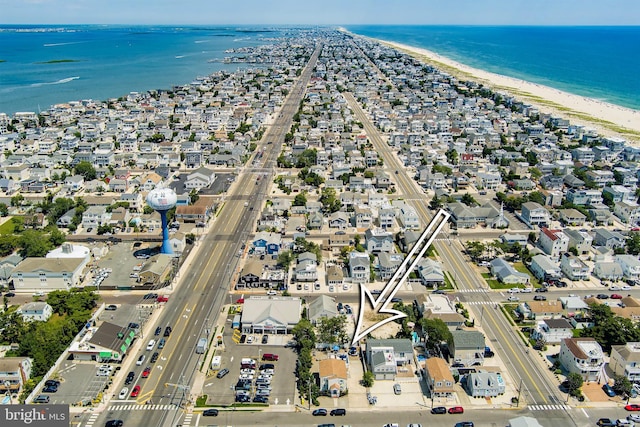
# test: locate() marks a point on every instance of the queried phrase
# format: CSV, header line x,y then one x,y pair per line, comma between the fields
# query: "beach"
x,y
608,119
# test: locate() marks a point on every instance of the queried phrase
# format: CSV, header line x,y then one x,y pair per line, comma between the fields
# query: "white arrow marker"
x,y
380,304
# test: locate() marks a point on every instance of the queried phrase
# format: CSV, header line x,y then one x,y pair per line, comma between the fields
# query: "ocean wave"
x,y
180,56
201,41
58,82
60,44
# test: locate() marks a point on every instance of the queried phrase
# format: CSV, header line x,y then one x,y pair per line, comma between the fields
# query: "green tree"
x,y
633,243
468,200
8,244
304,335
300,199
87,170
436,333
285,258
622,385
475,249
17,200
574,383
4,209
34,244
368,379
332,330
329,200
56,237
435,203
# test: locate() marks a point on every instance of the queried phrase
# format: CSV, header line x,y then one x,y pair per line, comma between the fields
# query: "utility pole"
x,y
519,391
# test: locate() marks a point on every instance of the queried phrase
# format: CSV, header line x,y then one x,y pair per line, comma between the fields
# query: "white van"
x,y
216,362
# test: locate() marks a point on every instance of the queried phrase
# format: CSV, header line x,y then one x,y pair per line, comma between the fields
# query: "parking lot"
x,y
80,383
220,391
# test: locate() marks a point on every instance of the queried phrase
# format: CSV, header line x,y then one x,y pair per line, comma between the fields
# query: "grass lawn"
x,y
7,228
523,269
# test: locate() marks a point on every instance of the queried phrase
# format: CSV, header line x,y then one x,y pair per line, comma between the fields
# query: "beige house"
x,y
439,378
157,270
47,274
14,372
333,376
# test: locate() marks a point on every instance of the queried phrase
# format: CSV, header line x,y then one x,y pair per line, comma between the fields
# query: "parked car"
x,y
338,412
270,357
210,413
456,410
50,389
319,412
265,339
606,422
632,407
616,296
111,307
602,296
439,410
464,424
54,383
222,373
609,391
260,399
397,389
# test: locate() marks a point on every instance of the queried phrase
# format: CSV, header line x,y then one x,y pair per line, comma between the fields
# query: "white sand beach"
x,y
608,119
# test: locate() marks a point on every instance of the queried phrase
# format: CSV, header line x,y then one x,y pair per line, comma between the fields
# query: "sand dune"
x,y
606,118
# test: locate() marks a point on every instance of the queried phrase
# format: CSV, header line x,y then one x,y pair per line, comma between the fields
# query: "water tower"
x,y
162,199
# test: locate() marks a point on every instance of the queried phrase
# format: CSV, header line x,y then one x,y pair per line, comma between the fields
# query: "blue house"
x,y
267,243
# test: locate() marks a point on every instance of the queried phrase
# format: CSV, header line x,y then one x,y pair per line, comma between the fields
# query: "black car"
x,y
243,338
261,399
9,294
243,398
543,289
54,383
267,366
157,331
154,357
265,339
50,389
439,291
439,410
338,412
111,307
150,296
539,298
167,331
396,299
602,296
130,377
114,423
210,413
319,412
222,373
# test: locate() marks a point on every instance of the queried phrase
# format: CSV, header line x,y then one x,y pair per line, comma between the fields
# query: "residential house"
x,y
582,356
535,214
47,274
359,269
625,361
270,315
485,384
406,215
333,376
38,311
250,274
306,269
335,276
540,309
267,243
339,220
441,307
74,183
544,268
552,331
628,212
14,373
378,240
339,240
430,272
608,270
66,219
95,216
200,178
323,306
580,240
439,379
156,270
574,304
385,357
150,181
388,264
135,200
572,217
573,267
610,239
630,266
363,217
197,213
553,242
467,347
506,273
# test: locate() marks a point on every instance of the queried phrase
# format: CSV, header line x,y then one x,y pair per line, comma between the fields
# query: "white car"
x,y
513,298
123,393
625,288
272,292
633,417
624,422
526,290
615,288
152,343
514,290
249,339
248,371
246,377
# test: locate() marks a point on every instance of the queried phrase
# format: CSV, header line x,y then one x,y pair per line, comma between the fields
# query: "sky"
x,y
323,12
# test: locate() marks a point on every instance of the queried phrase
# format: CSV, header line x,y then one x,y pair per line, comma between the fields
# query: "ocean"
x,y
45,65
596,62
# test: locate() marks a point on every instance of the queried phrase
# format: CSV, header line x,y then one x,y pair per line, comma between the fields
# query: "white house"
x,y
625,360
200,178
553,242
47,274
582,356
630,266
38,311
573,267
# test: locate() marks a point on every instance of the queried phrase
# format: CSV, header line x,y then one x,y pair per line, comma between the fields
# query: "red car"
x,y
456,410
135,391
146,372
616,296
632,407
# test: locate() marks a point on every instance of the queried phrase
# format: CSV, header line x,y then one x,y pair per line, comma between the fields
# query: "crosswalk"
x,y
186,422
470,291
479,303
92,419
143,407
549,407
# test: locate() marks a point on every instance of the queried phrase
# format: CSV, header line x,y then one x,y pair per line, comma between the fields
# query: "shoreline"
x,y
606,118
